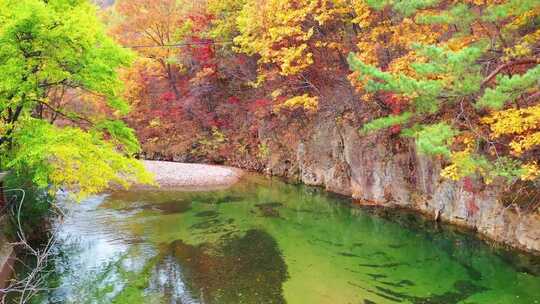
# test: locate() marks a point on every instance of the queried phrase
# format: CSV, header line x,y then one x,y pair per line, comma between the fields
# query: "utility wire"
x,y
178,45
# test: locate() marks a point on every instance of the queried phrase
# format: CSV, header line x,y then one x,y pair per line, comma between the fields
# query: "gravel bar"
x,y
172,175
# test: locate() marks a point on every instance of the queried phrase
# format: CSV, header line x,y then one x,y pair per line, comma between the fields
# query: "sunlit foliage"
x,y
60,98
460,78
469,66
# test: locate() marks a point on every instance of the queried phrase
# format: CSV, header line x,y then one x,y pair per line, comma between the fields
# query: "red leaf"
x,y
167,96
233,100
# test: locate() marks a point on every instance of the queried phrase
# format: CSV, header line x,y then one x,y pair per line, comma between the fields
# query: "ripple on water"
x,y
267,242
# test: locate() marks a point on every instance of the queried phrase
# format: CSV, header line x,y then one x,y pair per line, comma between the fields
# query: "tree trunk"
x,y
172,81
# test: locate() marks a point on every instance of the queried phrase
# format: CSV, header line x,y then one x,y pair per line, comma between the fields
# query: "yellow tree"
x,y
153,28
293,39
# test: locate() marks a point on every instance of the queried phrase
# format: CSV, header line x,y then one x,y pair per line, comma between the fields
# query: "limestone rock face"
x,y
376,172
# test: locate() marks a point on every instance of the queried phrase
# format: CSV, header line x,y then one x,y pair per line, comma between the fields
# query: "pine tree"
x,y
471,94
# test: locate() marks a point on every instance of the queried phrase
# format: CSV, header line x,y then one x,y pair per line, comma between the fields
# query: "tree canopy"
x,y
61,98
232,81
458,77
469,92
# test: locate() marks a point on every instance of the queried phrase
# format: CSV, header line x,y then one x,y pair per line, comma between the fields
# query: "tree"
x,y
169,83
300,41
456,101
152,28
60,98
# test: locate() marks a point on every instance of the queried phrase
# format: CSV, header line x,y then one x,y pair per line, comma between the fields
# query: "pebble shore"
x,y
172,174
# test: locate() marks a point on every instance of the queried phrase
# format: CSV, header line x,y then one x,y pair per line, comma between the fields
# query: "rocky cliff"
x,y
391,173
383,170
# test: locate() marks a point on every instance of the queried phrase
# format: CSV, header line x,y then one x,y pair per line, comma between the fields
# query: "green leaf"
x,y
433,139
385,122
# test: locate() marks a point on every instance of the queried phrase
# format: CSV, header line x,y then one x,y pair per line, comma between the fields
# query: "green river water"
x,y
264,241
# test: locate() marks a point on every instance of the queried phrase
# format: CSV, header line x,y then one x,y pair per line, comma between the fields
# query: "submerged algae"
x,y
317,250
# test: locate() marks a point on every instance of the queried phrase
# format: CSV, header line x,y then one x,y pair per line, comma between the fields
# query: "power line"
x,y
178,45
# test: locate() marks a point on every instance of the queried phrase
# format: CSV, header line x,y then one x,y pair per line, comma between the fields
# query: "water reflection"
x,y
267,242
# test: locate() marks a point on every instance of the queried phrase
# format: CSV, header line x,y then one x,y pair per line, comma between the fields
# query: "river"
x,y
264,241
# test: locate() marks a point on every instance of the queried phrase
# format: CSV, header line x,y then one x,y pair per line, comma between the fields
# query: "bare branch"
x,y
34,281
508,65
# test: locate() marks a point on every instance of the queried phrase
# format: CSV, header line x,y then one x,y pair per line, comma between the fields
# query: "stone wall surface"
x,y
387,173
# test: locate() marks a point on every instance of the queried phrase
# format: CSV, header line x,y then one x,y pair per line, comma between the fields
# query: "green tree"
x,y
60,102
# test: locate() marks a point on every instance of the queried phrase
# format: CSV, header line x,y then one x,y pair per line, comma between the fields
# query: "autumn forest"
x,y
234,81
430,105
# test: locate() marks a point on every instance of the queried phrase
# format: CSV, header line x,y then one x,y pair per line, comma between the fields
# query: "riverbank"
x,y
387,183
184,175
7,258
